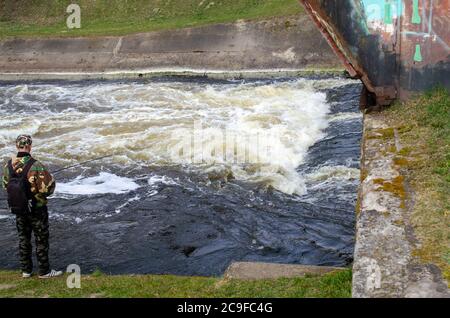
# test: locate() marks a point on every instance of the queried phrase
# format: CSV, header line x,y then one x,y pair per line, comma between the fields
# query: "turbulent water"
x,y
195,174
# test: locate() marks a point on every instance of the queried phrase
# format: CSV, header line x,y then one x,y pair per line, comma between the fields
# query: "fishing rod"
x,y
81,163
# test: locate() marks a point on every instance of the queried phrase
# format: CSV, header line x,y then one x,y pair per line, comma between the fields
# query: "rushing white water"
x,y
148,123
101,184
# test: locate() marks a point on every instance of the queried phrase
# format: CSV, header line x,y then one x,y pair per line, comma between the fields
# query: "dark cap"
x,y
23,141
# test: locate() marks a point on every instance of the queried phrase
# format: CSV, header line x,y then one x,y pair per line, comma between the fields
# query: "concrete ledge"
x,y
149,73
255,270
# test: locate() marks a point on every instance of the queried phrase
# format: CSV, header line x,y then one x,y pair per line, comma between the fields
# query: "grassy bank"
x,y
19,18
423,125
337,284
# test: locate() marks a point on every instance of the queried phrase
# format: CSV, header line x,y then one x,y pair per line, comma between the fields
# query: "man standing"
x,y
29,184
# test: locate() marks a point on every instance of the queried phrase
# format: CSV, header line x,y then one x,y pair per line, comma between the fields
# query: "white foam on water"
x,y
103,183
334,172
346,116
144,123
120,207
156,179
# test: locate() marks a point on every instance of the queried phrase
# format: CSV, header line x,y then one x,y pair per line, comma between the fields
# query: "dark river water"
x,y
158,204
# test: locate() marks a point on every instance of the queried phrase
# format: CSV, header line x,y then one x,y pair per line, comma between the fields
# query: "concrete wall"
x,y
278,43
384,263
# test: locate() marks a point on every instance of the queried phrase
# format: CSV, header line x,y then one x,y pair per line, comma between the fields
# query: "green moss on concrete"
x,y
400,161
382,133
405,151
391,149
395,186
358,204
424,133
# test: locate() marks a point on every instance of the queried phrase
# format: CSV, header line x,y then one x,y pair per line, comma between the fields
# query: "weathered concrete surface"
x,y
383,265
256,270
277,43
168,72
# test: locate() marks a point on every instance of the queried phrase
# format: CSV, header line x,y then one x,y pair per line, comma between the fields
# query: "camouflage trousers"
x,y
36,222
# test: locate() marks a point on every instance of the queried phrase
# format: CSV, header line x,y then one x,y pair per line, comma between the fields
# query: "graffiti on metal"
x,y
382,15
396,47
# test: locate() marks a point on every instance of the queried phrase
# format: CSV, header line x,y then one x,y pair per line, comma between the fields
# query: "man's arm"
x,y
42,183
5,177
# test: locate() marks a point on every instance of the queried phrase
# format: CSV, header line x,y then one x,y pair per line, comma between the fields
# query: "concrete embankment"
x,y
274,44
260,270
384,261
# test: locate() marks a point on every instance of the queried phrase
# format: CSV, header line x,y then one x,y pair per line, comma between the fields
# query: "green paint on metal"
x,y
418,54
416,17
387,13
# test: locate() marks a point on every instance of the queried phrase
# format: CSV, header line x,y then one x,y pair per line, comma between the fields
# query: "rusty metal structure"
x,y
396,47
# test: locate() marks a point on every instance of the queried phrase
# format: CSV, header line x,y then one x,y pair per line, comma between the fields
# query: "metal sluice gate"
x,y
396,47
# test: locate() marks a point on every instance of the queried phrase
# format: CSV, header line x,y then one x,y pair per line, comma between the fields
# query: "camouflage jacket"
x,y
41,181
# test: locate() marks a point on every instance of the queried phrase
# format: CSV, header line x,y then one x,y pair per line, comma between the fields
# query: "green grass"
x,y
30,18
336,285
424,131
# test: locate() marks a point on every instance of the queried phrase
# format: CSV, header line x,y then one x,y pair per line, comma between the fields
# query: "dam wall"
x,y
277,43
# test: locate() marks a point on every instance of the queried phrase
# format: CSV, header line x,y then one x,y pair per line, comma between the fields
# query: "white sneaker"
x,y
51,274
26,275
